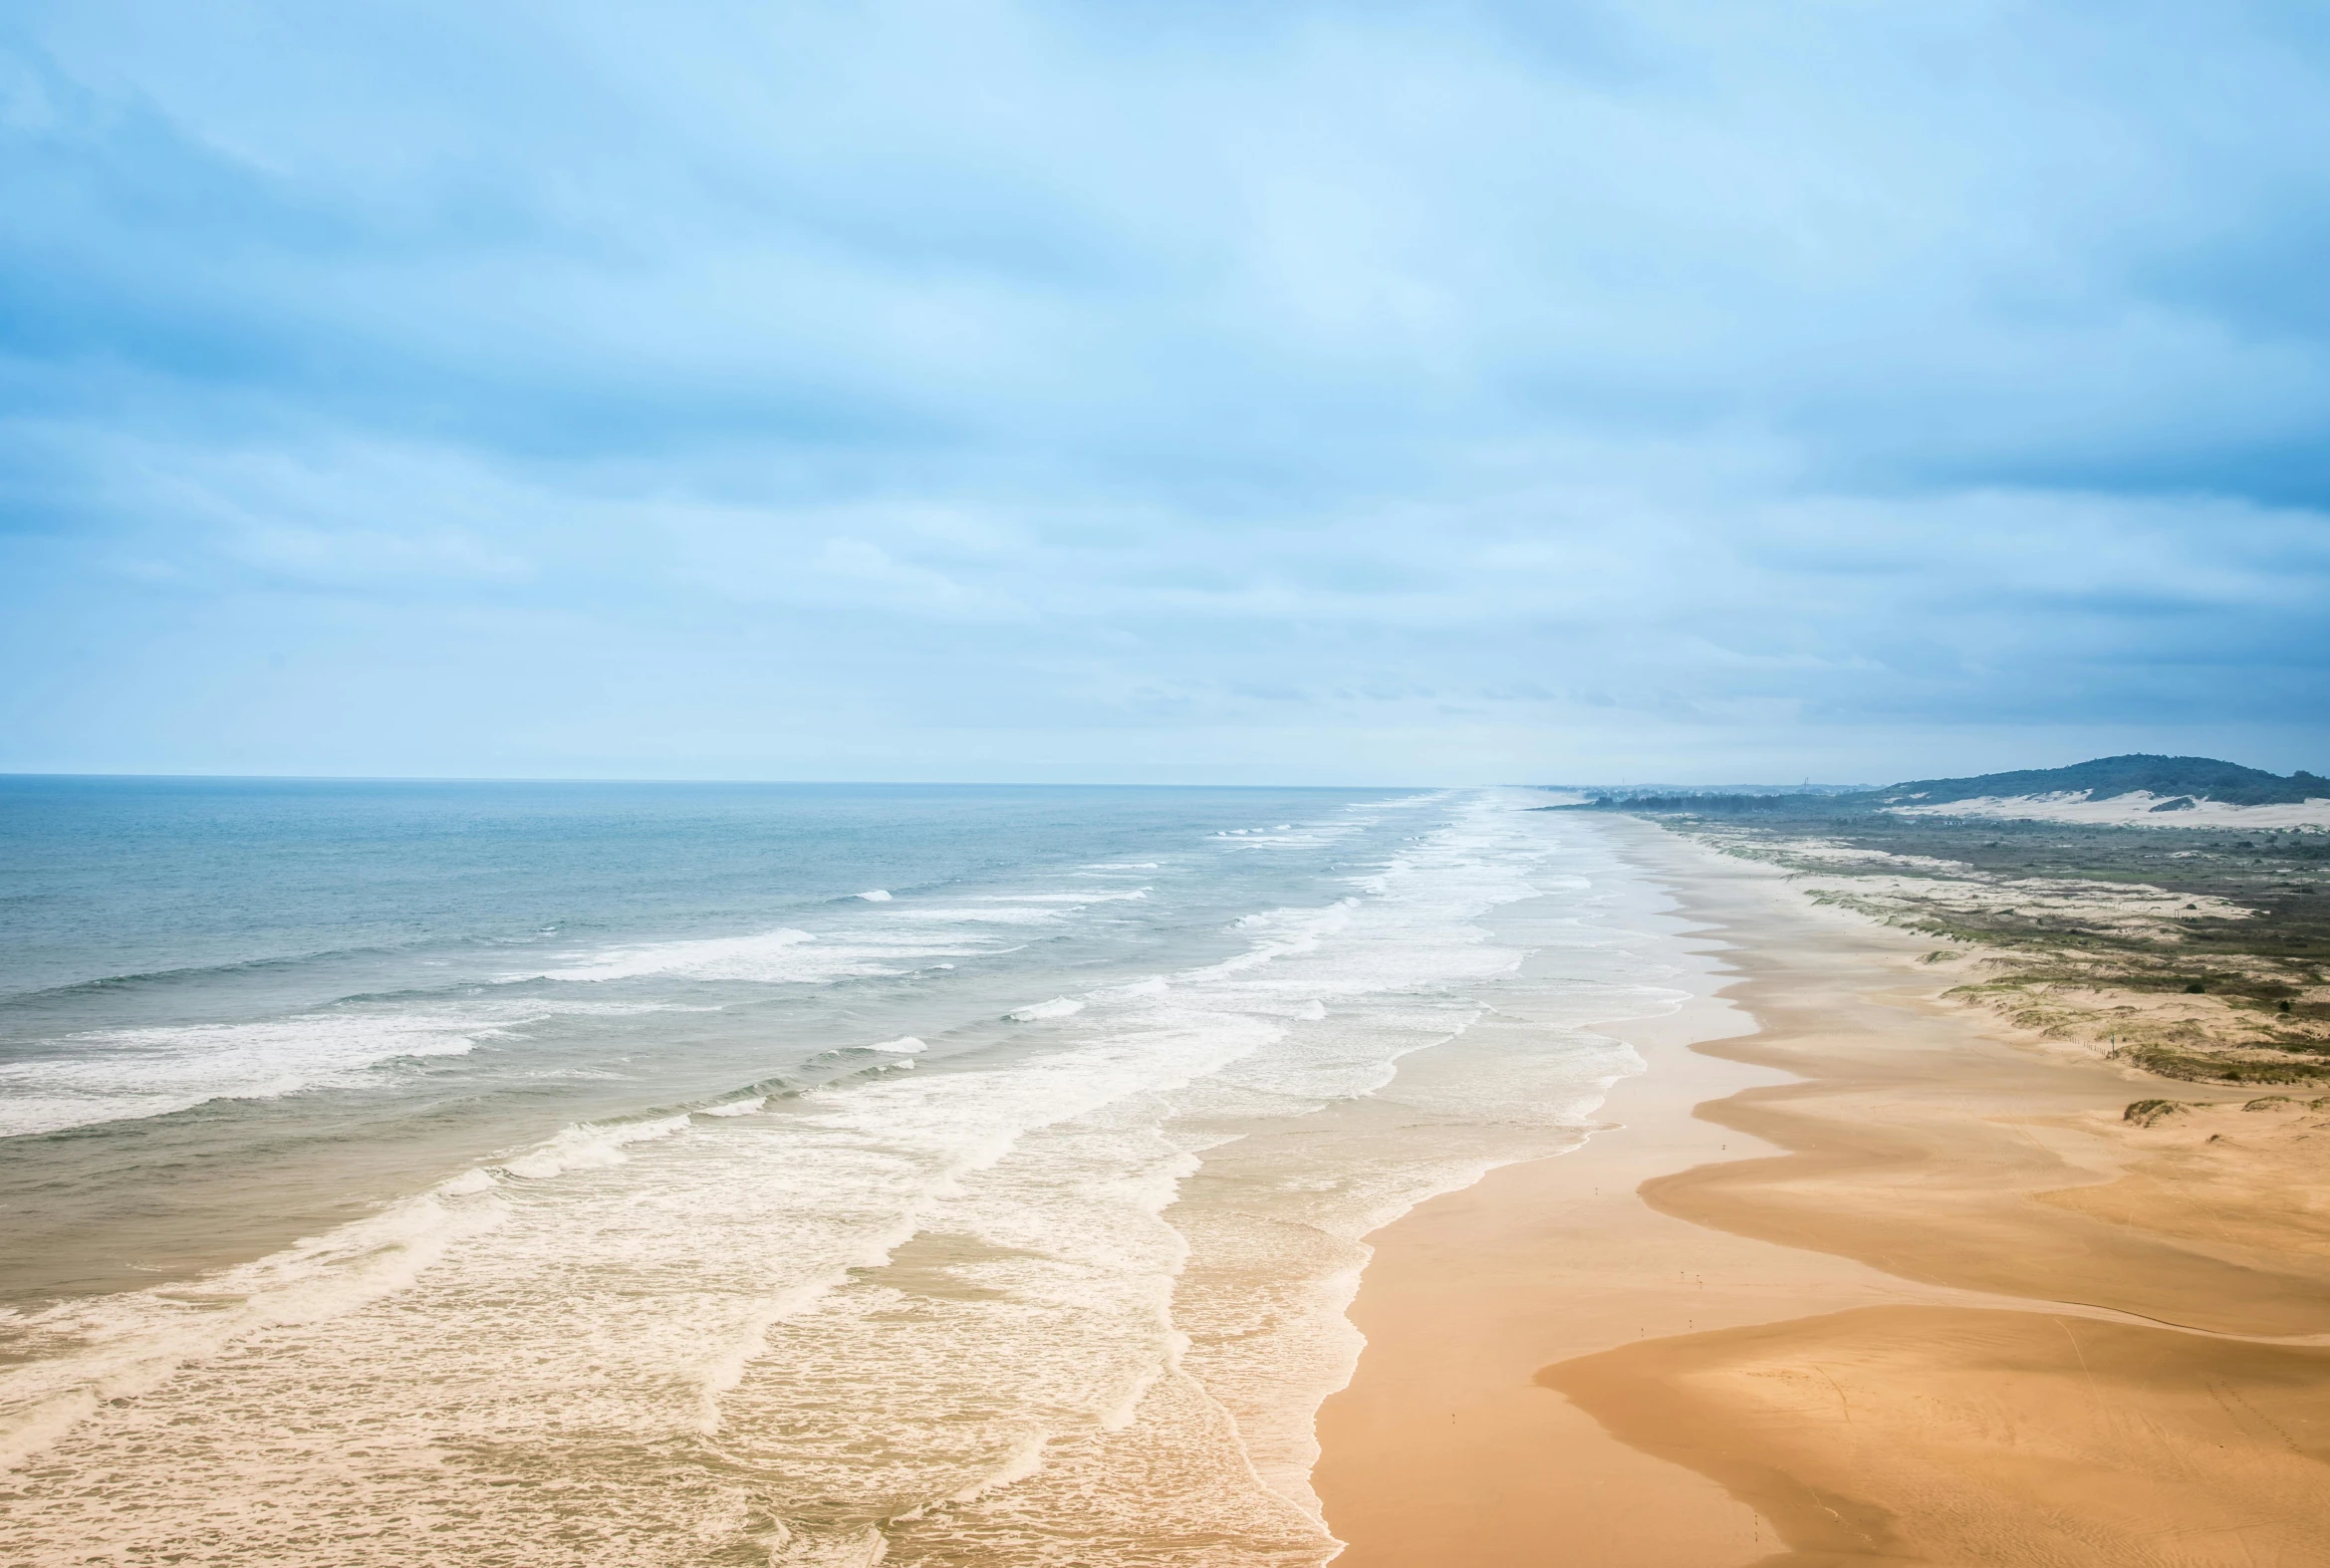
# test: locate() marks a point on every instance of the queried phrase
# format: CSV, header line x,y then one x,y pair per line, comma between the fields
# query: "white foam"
x,y
1014,914
112,1348
875,895
734,1107
1024,1460
904,1045
1057,1007
590,1145
785,956
123,1074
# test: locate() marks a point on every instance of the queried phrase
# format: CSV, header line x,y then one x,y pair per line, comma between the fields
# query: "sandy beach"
x,y
1850,1275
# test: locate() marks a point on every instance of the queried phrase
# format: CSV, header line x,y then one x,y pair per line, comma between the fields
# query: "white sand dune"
x,y
2140,808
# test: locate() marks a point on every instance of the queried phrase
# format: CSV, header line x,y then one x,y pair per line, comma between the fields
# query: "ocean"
x,y
660,1174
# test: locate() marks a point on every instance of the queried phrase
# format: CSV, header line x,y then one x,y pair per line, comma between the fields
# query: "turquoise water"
x,y
706,1173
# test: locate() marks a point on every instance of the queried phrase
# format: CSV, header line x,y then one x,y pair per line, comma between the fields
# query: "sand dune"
x,y
2140,808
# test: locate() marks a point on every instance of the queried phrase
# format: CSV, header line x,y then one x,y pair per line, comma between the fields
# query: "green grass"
x,y
2259,985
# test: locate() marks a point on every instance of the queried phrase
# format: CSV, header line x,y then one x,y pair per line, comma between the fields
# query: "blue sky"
x,y
1354,393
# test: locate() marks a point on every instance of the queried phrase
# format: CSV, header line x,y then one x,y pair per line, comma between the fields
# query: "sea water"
x,y
691,1173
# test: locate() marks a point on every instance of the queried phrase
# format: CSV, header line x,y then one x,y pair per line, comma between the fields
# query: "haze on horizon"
x,y
1322,393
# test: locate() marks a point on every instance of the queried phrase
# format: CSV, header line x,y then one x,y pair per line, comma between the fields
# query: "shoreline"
x,y
1806,1303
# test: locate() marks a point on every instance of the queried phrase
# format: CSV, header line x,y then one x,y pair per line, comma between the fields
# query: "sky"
x,y
1355,392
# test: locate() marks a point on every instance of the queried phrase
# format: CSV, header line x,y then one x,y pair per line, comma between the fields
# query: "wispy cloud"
x,y
1324,392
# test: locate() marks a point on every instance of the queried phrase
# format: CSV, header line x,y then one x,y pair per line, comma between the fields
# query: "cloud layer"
x,y
1360,393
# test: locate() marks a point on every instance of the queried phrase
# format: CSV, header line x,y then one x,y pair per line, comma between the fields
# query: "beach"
x,y
683,1175
1849,1273
1145,1178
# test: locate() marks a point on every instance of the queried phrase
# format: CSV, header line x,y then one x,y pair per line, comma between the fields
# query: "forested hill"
x,y
2203,777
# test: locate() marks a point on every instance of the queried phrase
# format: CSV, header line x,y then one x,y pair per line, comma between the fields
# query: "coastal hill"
x,y
2165,778
2138,790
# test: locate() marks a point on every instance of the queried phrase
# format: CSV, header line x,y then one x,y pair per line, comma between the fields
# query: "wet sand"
x,y
1854,1278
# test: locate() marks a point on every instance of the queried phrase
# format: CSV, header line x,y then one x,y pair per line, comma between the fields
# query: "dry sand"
x,y
1903,1290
